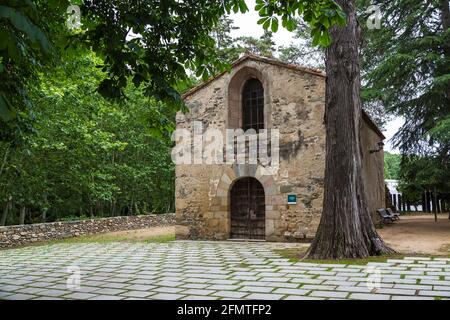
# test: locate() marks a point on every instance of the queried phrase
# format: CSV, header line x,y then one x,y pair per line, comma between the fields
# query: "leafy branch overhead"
x,y
22,44
149,43
153,42
320,15
407,70
176,35
29,33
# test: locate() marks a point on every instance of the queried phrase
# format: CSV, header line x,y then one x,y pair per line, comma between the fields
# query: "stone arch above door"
x,y
271,191
237,171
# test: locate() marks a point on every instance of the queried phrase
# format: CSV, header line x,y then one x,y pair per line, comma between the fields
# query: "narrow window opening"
x,y
253,105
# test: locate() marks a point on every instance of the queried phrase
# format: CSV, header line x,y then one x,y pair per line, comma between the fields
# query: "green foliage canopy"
x,y
89,156
148,42
67,151
392,165
407,70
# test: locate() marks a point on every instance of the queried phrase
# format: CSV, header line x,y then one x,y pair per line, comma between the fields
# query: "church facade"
x,y
276,201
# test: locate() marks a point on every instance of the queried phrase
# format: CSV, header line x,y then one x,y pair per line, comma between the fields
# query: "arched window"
x,y
253,105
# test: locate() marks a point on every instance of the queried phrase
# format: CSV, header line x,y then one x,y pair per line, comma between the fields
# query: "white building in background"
x,y
392,186
396,195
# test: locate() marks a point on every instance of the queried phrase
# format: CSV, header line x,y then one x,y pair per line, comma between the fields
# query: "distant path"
x,y
419,234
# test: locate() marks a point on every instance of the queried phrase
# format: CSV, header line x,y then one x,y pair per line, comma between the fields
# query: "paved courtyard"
x,y
208,270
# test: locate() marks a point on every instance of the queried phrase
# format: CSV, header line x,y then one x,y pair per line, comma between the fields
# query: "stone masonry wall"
x,y
24,234
294,103
373,170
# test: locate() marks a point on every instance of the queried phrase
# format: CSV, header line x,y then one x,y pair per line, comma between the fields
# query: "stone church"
x,y
242,200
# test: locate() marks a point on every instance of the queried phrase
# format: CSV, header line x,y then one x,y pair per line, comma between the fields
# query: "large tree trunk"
x,y
346,229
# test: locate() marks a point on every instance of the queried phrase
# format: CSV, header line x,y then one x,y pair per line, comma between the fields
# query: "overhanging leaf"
x,y
22,23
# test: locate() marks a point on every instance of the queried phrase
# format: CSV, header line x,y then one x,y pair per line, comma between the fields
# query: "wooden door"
x,y
247,205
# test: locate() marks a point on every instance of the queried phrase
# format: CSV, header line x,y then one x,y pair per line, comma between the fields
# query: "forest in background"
x,y
86,156
67,152
76,154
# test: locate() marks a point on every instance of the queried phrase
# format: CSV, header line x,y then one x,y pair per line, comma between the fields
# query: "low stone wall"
x,y
11,236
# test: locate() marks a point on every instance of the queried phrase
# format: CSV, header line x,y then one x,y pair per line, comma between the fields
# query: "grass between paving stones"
x,y
297,255
243,265
104,238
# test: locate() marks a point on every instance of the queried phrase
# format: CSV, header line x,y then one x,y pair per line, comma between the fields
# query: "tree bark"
x,y
23,211
4,214
113,210
445,15
423,201
5,158
137,211
346,228
438,203
6,210
44,211
435,204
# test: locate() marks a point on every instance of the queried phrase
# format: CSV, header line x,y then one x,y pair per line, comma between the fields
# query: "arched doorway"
x,y
247,209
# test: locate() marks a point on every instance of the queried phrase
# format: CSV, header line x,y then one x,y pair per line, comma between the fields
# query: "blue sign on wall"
x,y
292,199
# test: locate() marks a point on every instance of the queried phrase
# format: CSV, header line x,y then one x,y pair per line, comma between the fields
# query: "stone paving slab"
x,y
369,296
207,270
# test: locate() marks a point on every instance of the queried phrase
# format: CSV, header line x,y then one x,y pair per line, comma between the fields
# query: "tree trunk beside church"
x,y
346,229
